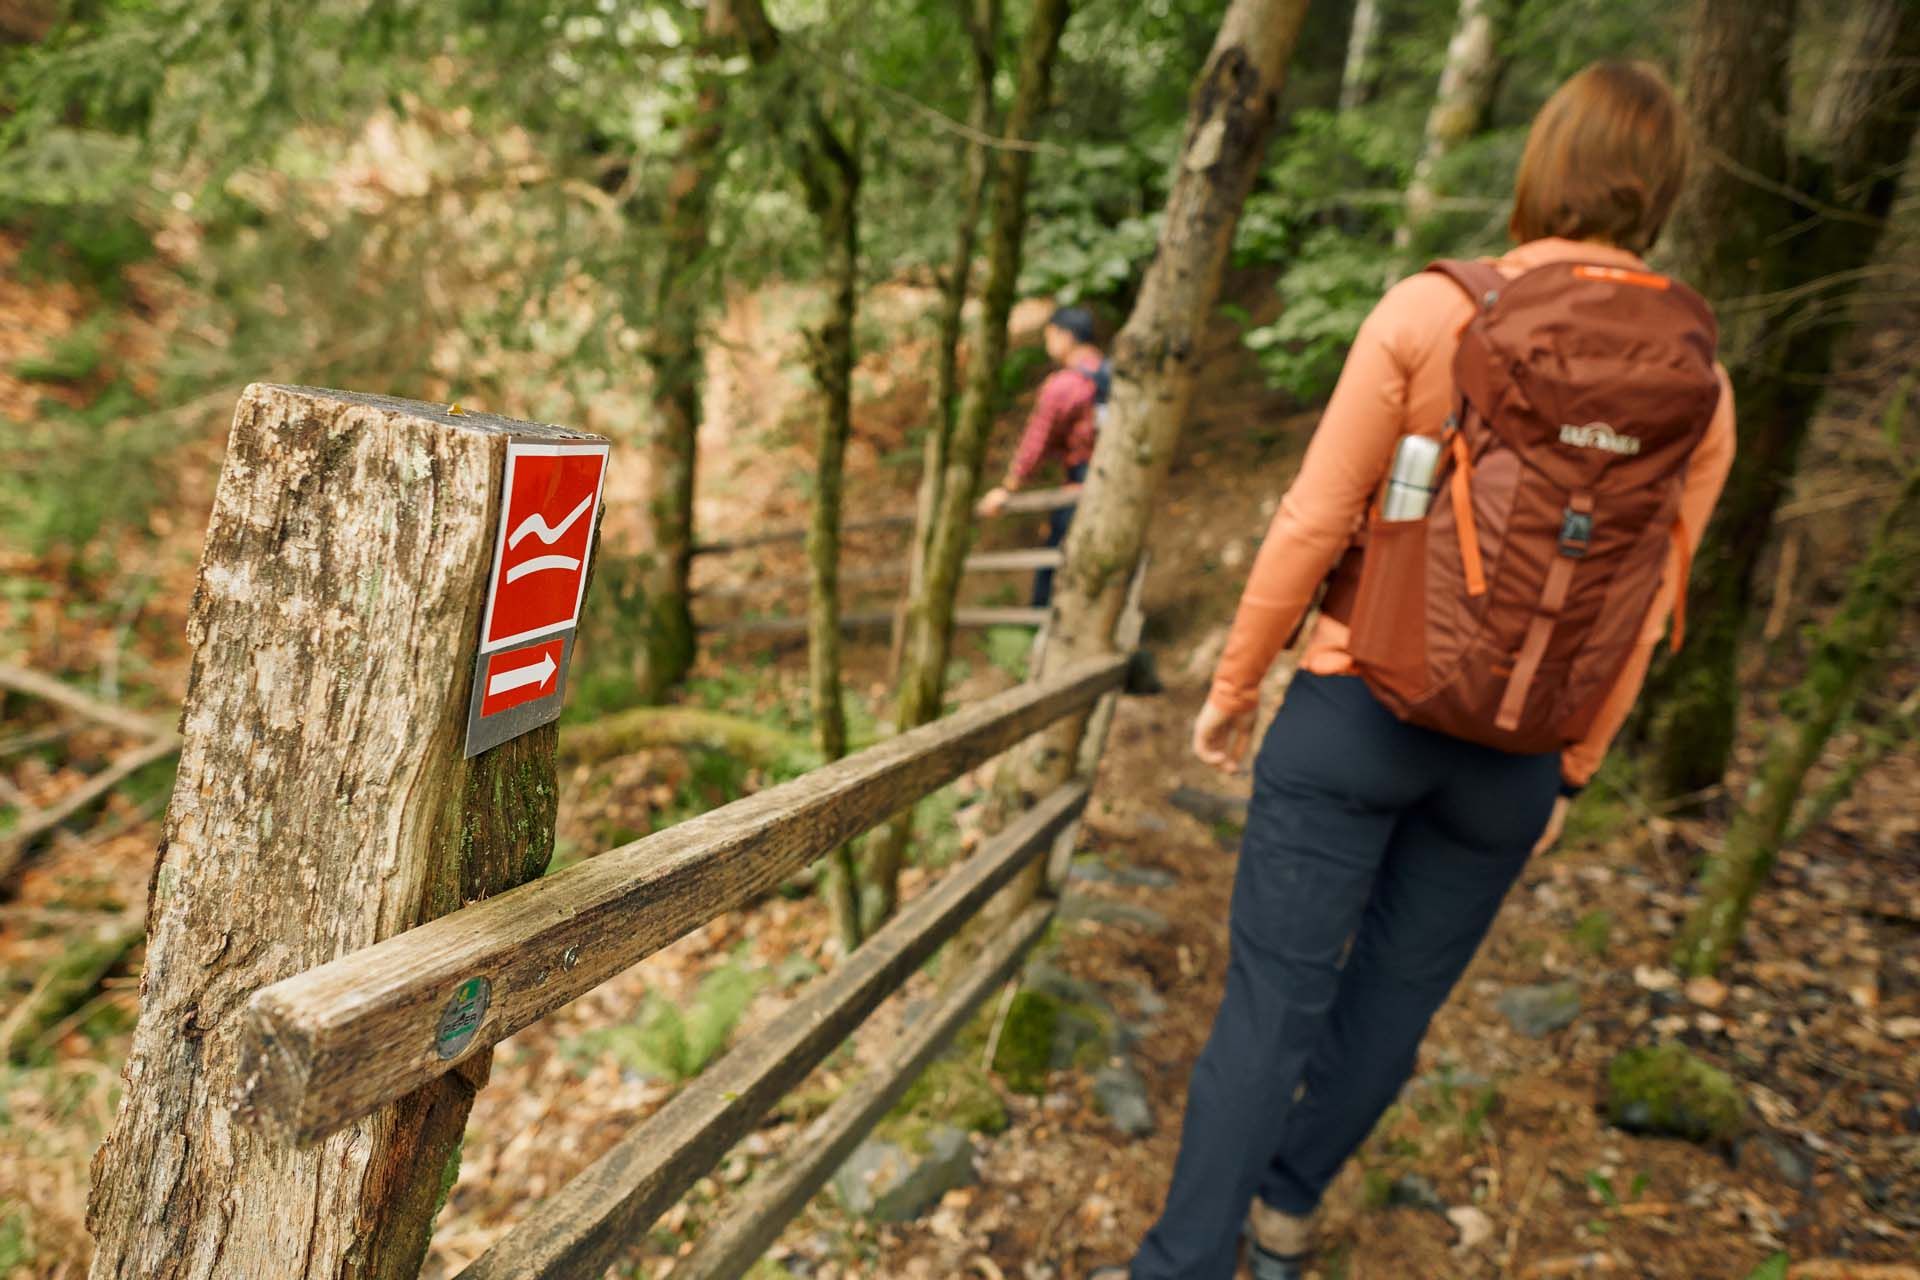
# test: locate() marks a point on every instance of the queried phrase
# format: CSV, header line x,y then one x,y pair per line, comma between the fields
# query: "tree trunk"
x,y
1154,367
929,631
1849,650
1356,79
827,162
322,804
1467,81
676,359
982,20
677,362
1744,232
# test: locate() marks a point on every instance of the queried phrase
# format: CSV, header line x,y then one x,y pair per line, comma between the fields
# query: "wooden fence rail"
x,y
329,1045
580,1230
966,616
728,1248
1014,561
1018,504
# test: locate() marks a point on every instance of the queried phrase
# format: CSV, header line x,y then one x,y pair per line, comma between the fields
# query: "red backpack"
x,y
1506,614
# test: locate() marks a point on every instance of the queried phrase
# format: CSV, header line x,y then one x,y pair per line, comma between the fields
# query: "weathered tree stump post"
x,y
324,802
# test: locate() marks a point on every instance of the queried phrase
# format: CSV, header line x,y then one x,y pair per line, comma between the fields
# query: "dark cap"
x,y
1077,321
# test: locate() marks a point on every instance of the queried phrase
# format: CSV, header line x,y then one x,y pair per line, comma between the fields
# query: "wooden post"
x,y
322,804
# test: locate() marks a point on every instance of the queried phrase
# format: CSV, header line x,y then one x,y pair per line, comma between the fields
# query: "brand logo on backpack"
x,y
1598,435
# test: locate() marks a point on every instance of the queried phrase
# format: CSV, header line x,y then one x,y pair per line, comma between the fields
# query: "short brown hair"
x,y
1604,160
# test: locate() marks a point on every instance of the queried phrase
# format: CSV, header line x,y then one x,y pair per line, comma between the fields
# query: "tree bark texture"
x,y
1154,367
982,20
929,630
1467,81
1356,78
1849,650
322,804
677,363
1776,240
826,158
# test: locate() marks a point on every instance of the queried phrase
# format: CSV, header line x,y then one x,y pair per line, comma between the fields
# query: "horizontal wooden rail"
x,y
979,562
798,533
1014,561
728,1248
875,619
329,1045
1017,504
582,1228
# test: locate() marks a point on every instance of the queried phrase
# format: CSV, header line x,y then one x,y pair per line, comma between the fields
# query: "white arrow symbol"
x,y
534,673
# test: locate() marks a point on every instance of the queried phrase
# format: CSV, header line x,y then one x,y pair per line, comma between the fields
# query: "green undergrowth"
x,y
953,1092
666,1041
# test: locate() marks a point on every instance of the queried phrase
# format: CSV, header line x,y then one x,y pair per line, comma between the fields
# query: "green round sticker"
x,y
461,1020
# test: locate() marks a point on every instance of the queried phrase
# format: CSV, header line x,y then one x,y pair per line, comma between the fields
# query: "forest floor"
x,y
1497,1161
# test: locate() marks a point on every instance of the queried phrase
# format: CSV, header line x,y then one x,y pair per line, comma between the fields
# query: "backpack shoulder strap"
x,y
1477,278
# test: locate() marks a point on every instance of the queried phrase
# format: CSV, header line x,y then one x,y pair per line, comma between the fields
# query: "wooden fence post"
x,y
323,803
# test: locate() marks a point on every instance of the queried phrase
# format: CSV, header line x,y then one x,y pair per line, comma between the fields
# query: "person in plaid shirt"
x,y
1062,425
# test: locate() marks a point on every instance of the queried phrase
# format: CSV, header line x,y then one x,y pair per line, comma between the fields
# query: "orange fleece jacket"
x,y
1398,380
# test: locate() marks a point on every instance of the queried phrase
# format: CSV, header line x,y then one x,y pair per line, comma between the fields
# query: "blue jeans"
x,y
1362,829
1059,520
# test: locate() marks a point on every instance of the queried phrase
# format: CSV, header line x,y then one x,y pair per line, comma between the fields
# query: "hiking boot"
x,y
1279,1245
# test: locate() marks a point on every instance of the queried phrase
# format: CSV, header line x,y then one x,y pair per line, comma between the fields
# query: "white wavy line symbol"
x,y
536,525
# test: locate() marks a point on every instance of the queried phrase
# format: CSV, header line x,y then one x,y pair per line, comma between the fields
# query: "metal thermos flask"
x,y
1410,481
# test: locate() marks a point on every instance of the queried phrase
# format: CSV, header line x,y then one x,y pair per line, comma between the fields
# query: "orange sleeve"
x,y
1706,476
1345,461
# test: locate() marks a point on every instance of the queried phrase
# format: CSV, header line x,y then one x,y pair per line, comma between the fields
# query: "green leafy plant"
x,y
667,1042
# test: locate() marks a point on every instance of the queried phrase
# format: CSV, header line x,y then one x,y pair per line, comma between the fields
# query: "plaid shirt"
x,y
1062,422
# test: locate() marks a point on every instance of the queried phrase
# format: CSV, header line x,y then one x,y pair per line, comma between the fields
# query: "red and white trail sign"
x,y
546,531
549,508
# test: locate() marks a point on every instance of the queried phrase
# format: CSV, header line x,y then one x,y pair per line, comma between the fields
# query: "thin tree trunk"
x,y
1850,649
1154,368
1467,82
922,683
1743,231
1356,79
677,362
827,161
982,21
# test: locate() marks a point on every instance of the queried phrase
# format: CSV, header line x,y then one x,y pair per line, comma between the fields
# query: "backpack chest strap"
x,y
1576,528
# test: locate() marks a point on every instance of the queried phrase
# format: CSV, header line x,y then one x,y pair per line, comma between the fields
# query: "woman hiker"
x,y
1473,657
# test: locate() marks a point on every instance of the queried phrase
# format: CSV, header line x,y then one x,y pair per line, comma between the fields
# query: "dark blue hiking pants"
x,y
1363,829
1059,520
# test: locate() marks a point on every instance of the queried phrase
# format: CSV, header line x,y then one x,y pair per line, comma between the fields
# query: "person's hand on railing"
x,y
1220,738
992,502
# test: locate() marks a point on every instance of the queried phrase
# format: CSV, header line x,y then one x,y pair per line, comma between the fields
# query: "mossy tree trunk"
x,y
982,21
1792,231
1467,82
676,361
1848,651
929,630
826,158
1155,363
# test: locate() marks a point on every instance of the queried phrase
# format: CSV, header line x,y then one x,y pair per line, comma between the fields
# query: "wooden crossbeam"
x,y
1026,558
872,619
728,1248
329,1045
580,1230
1018,504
